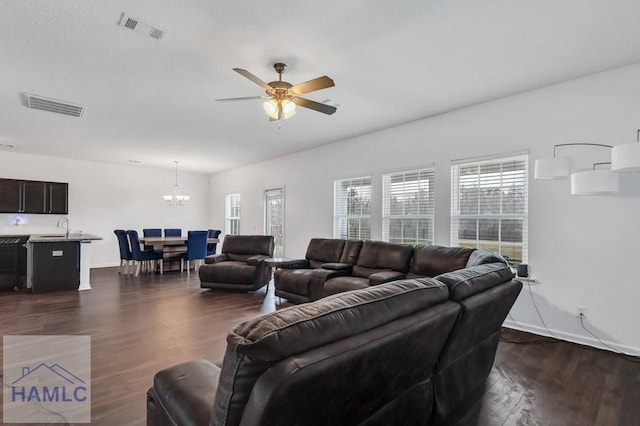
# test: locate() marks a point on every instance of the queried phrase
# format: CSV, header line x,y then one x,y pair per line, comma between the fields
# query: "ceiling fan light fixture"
x,y
288,109
271,108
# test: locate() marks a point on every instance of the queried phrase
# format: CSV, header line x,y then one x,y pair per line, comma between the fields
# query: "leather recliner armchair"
x,y
240,265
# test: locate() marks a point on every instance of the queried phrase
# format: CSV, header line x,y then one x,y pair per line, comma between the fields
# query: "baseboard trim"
x,y
573,338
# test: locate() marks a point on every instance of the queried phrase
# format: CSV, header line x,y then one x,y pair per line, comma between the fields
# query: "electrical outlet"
x,y
582,312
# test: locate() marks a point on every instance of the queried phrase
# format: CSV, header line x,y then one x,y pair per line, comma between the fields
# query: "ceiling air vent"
x,y
140,27
53,105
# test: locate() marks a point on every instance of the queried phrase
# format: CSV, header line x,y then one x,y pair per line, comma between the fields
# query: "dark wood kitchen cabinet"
x,y
28,196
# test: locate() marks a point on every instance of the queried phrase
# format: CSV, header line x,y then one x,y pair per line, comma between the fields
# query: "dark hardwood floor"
x,y
141,325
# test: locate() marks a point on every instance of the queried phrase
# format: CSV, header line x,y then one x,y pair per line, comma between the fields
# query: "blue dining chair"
x,y
140,256
151,232
211,247
125,250
172,232
196,249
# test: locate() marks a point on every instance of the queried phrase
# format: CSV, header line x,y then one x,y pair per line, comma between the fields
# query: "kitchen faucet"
x,y
66,221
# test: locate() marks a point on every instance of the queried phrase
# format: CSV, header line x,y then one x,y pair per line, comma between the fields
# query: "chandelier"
x,y
176,199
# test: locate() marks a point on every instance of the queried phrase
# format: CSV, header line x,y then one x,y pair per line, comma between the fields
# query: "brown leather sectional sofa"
x,y
414,351
333,266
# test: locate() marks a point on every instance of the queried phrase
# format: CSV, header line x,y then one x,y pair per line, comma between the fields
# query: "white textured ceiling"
x,y
392,62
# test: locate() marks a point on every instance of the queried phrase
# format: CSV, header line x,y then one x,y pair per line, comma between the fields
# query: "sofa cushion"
x,y
430,261
475,279
480,256
351,251
250,245
324,250
346,283
229,272
379,255
186,391
254,346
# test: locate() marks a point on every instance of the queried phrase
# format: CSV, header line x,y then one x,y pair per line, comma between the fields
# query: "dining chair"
x,y
151,232
125,250
196,249
211,247
172,232
142,256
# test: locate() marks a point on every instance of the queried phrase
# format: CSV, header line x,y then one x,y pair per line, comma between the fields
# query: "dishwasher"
x,y
13,262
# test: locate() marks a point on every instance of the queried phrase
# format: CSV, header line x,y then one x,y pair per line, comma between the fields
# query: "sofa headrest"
x,y
385,256
248,244
303,327
351,251
480,256
430,261
475,279
325,250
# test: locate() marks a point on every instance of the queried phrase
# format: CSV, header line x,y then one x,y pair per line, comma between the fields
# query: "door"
x,y
274,218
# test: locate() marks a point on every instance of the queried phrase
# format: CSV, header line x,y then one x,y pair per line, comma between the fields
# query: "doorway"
x,y
274,218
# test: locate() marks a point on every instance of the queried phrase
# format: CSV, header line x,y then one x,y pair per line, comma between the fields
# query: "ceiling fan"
x,y
282,97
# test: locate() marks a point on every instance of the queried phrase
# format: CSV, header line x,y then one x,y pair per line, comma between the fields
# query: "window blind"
x,y
352,208
232,214
489,206
408,207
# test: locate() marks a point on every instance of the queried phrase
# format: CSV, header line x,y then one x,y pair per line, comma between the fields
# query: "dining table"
x,y
172,248
160,243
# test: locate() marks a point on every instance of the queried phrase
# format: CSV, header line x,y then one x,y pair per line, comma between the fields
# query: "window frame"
x,y
520,180
428,215
232,211
342,217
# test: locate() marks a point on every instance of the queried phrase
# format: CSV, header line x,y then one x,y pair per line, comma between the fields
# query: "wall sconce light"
x,y
626,158
586,182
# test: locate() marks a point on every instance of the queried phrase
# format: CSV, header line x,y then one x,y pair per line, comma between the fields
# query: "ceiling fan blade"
x,y
252,77
316,106
312,85
246,98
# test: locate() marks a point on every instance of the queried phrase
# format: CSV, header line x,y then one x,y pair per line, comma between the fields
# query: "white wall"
x,y
581,249
104,197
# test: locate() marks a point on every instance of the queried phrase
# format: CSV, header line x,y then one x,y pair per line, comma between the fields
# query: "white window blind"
x,y
352,208
408,207
232,214
489,206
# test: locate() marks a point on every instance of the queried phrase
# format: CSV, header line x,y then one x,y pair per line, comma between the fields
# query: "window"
x,y
407,207
352,208
232,214
489,206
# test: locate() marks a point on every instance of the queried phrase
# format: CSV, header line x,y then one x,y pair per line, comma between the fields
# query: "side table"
x,y
275,263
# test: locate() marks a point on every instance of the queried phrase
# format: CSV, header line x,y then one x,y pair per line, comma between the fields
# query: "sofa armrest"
x,y
338,266
256,260
183,393
295,264
385,277
215,258
317,279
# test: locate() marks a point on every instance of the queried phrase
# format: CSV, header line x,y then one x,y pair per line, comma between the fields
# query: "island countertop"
x,y
49,238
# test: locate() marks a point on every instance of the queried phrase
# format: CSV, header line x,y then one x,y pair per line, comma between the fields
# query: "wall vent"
x,y
53,105
140,27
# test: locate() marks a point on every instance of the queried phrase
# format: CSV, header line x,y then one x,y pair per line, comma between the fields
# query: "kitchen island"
x,y
58,262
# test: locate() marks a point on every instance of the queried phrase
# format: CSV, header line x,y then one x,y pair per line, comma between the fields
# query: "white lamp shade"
x,y
594,182
626,158
553,168
271,108
288,109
